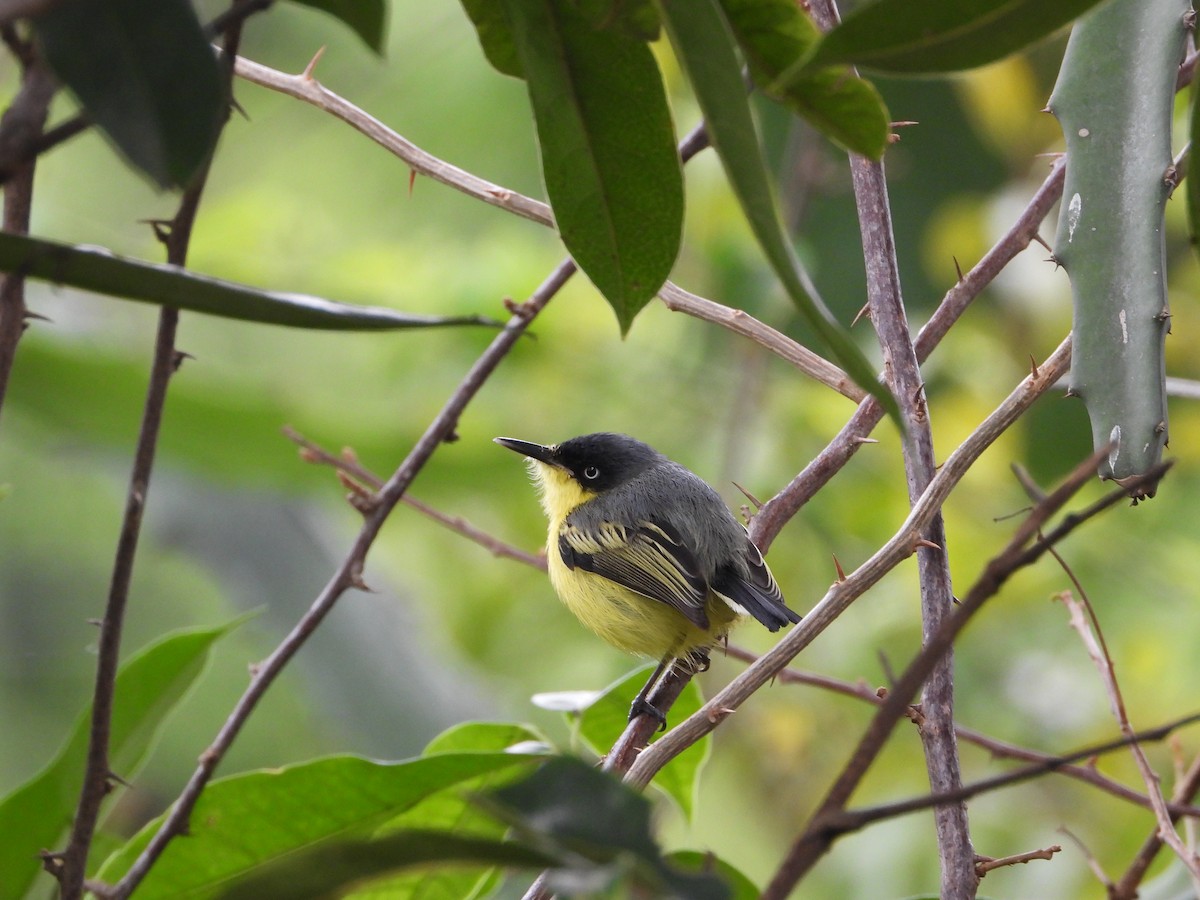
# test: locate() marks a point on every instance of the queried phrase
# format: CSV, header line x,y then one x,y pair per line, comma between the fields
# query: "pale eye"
x,y
591,473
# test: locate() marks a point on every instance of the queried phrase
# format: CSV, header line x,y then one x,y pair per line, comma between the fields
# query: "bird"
x,y
645,553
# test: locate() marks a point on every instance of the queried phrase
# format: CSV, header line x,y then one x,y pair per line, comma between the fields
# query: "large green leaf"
x,y
145,73
774,35
366,18
609,160
149,686
705,48
603,721
248,821
569,805
103,272
907,38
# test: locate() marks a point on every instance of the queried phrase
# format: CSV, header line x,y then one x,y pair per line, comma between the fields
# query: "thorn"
x,y
412,179
864,440
1031,487
30,315
307,74
359,497
865,311
177,359
958,269
1160,428
238,108
1057,262
1046,109
903,123
749,496
841,573
1033,366
113,776
1171,177
926,543
99,623
160,227
717,714
1041,240
1071,392
355,578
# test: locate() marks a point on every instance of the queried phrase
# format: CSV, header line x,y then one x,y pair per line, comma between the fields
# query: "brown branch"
x,y
843,821
985,864
347,575
823,827
346,463
22,121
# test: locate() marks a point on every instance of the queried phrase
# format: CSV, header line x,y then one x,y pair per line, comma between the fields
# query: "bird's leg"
x,y
643,707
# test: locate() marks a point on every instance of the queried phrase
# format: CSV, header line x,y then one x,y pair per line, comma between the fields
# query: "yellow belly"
x,y
628,620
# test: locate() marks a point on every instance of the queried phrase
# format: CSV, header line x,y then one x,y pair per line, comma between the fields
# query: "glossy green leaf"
x,y
248,821
149,686
495,35
145,73
603,721
906,38
705,48
98,270
366,18
774,35
328,870
608,152
568,804
452,811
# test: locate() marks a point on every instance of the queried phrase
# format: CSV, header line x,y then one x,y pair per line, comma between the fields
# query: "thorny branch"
x,y
70,867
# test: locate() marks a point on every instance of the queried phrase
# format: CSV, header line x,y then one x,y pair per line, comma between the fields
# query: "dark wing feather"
x,y
649,558
754,590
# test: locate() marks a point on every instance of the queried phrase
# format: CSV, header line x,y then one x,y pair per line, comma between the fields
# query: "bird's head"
x,y
576,470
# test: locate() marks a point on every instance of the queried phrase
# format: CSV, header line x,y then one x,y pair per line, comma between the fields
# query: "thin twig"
x,y
999,749
314,453
1087,626
985,864
305,87
348,574
1126,887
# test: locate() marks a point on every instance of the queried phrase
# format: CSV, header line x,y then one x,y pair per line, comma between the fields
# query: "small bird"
x,y
645,553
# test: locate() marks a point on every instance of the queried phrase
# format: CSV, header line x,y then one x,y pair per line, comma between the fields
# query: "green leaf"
x,y
694,861
149,686
495,35
247,821
327,869
366,18
705,48
905,38
145,73
572,809
484,736
609,160
98,270
774,35
603,721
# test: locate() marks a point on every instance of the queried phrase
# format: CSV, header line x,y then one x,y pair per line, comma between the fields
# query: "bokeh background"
x,y
236,522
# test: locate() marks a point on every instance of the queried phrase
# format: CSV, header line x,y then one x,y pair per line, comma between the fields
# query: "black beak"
x,y
527,448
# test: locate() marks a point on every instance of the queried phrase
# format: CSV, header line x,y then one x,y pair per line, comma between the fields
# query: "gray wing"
x,y
650,558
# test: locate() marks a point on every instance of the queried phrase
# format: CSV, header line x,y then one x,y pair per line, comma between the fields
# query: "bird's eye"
x,y
591,473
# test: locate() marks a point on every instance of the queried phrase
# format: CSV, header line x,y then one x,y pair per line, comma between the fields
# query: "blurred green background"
x,y
236,521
